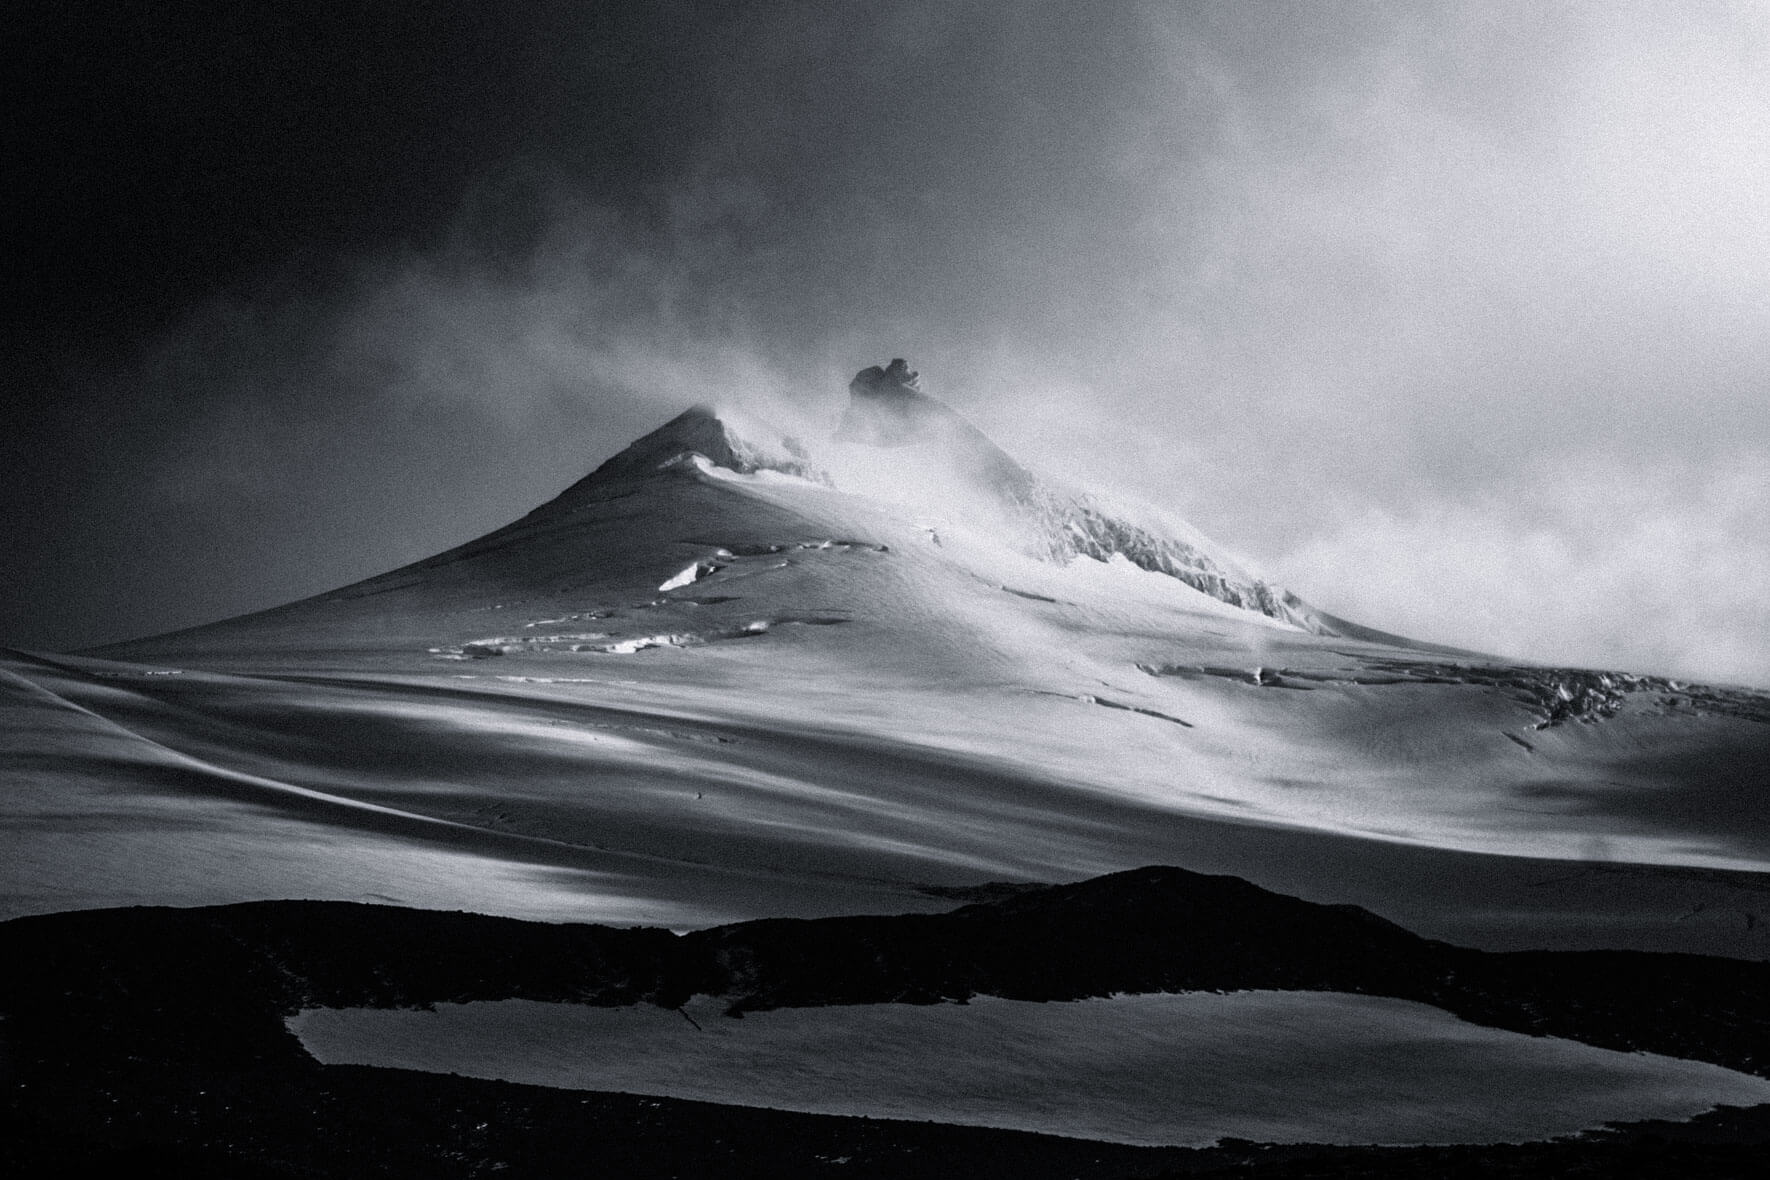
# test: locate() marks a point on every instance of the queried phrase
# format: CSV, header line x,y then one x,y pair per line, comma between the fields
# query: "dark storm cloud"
x,y
1453,315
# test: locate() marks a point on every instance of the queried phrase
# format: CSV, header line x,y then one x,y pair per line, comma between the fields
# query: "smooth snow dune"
x,y
690,791
1280,1067
166,802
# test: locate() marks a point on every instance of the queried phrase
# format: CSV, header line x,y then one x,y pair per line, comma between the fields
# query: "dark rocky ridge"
x,y
887,407
161,1030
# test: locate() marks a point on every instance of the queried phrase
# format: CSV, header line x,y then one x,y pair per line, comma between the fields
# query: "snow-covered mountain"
x,y
736,676
733,673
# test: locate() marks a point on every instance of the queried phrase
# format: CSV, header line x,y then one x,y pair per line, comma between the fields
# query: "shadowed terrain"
x,y
159,1034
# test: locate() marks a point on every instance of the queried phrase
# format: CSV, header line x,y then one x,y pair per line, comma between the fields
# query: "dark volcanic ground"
x,y
152,1041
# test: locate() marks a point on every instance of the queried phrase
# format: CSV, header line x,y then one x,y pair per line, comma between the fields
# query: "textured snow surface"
x,y
872,682
1275,1067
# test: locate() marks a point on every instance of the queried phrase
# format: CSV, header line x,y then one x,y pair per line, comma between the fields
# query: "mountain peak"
x,y
913,448
887,407
893,380
723,439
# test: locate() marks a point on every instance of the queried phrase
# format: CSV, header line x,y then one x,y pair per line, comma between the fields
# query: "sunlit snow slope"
x,y
730,674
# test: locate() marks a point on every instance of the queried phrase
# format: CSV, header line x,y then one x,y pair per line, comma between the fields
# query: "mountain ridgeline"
x,y
941,459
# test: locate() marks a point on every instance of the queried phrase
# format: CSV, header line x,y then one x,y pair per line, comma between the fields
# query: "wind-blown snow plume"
x,y
899,444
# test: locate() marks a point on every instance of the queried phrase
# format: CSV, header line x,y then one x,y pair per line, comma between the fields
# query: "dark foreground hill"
x,y
152,1041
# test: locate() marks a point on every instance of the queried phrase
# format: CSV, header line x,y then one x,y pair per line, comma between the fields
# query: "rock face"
x,y
1074,526
895,378
888,408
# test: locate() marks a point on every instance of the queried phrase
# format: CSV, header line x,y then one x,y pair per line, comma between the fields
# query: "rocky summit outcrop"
x,y
887,407
894,379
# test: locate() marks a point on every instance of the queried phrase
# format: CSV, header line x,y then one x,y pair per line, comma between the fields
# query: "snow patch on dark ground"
x,y
1189,1069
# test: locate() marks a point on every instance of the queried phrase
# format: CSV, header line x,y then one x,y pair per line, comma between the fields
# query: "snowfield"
x,y
1273,1067
696,688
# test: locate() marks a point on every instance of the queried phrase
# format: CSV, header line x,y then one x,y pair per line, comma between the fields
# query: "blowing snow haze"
x,y
1449,317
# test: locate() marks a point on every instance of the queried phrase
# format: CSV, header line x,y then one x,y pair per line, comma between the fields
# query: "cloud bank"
x,y
1450,316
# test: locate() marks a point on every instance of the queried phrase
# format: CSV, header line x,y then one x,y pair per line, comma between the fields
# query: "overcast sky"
x,y
1454,318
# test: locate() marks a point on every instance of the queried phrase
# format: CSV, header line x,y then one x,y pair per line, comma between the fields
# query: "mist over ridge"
x,y
1444,317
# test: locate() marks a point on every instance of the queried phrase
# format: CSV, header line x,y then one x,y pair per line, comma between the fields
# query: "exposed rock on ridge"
x,y
888,407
